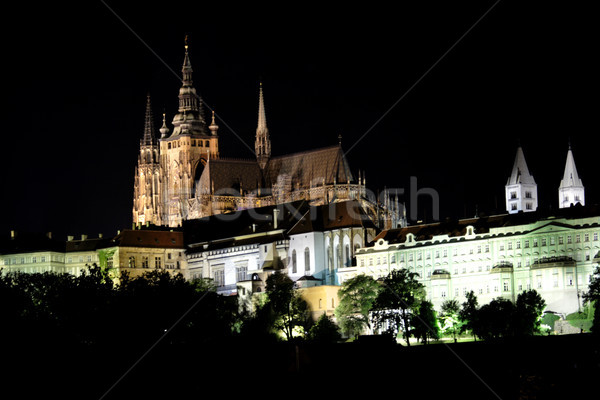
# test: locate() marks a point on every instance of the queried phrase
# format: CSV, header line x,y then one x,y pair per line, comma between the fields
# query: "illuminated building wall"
x,y
493,256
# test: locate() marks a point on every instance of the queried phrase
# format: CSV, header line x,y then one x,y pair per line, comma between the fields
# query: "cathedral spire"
x,y
571,190
262,146
149,131
190,116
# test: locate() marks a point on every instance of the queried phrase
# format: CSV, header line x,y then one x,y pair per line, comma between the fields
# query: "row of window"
x,y
194,143
145,262
479,249
43,259
521,286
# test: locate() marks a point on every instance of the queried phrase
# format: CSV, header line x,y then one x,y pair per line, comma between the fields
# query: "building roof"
x,y
456,228
168,239
311,168
570,177
520,172
343,214
27,242
243,225
87,244
306,169
228,176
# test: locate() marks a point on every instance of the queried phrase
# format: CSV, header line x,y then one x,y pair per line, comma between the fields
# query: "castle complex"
x,y
307,214
182,175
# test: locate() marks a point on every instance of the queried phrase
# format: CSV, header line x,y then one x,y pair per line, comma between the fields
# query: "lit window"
x,y
306,259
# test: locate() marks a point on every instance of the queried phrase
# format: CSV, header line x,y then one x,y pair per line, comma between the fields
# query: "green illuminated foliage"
x,y
357,296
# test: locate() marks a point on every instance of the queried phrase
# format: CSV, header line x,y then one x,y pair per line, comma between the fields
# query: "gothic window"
x,y
348,255
132,262
294,264
338,256
306,259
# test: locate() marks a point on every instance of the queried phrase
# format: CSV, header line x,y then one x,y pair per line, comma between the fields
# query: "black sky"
x,y
77,78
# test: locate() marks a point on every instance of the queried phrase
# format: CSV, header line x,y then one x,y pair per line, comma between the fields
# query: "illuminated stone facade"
x,y
182,176
131,251
494,256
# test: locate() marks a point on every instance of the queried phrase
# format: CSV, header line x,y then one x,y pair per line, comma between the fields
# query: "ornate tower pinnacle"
x,y
213,125
190,116
149,131
164,130
262,146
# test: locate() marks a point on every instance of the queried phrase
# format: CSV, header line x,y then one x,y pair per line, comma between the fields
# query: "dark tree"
x,y
324,331
425,323
468,313
398,301
494,320
529,310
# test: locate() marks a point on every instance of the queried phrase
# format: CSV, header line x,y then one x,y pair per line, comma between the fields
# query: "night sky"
x,y
77,79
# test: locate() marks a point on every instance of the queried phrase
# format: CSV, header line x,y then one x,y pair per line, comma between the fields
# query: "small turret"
x,y
164,131
213,125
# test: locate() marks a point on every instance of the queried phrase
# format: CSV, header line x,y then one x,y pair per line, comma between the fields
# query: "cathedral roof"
x,y
311,168
228,176
304,170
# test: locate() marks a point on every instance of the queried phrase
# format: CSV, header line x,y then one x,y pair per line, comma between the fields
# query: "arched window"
x,y
348,256
306,259
338,256
294,264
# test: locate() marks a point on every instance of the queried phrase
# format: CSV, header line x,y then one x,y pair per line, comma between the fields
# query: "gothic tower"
x,y
521,189
185,151
146,197
571,190
262,146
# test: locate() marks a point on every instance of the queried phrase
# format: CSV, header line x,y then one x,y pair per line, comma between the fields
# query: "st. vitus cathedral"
x,y
182,176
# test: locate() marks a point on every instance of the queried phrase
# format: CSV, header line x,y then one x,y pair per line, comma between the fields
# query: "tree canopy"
x,y
357,296
397,302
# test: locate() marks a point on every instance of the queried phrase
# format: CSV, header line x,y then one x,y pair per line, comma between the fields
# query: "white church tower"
x,y
571,190
521,189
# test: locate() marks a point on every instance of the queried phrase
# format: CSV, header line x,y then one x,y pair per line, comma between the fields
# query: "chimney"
x,y
83,237
49,235
253,227
13,234
100,236
69,238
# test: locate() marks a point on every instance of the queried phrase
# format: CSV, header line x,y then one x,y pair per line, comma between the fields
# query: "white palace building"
x,y
502,255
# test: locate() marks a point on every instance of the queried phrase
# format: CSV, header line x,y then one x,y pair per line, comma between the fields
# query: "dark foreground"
x,y
535,368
